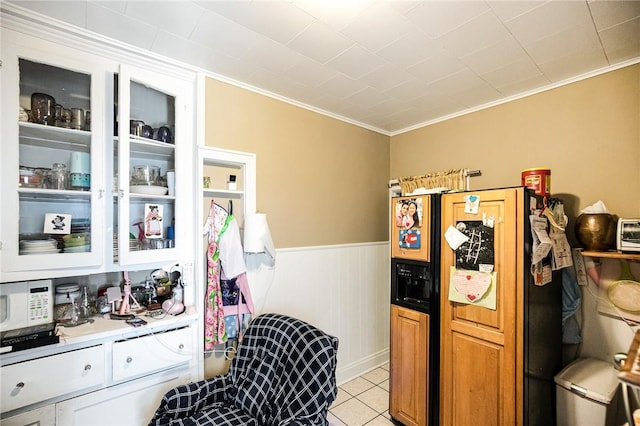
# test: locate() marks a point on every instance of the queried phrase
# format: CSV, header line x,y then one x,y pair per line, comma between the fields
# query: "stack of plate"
x,y
79,225
47,246
115,247
135,245
77,242
77,249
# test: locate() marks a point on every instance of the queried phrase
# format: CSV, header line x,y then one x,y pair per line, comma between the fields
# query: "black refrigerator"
x,y
542,328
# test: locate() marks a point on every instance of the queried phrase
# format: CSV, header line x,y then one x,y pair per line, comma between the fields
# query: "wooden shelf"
x,y
611,255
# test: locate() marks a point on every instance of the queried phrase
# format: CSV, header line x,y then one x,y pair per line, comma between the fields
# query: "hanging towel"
x,y
231,253
214,327
571,298
238,304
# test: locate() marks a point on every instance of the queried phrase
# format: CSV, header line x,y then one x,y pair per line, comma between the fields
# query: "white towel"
x,y
231,253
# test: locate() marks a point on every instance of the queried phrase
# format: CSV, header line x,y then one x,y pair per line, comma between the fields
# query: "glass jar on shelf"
x,y
59,176
28,178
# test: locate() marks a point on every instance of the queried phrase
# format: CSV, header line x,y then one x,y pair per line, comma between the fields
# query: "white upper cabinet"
x,y
97,160
153,166
53,188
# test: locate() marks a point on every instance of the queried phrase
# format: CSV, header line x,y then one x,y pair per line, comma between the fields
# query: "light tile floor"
x,y
363,400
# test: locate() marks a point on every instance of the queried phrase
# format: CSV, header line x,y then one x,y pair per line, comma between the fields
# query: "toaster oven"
x,y
628,235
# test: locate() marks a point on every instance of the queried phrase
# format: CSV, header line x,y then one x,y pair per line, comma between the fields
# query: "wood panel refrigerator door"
x,y
411,227
478,352
409,374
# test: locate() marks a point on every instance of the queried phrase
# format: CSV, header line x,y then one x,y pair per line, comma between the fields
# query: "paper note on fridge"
x,y
541,241
454,237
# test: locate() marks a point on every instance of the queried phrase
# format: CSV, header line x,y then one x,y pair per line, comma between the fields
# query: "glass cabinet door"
x,y
52,158
153,141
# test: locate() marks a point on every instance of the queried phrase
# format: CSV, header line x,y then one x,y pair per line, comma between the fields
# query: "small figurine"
x,y
153,227
125,307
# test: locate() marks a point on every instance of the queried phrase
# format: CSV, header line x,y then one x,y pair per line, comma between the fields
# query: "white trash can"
x,y
586,393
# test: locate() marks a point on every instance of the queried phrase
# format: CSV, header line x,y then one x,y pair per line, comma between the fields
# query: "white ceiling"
x,y
387,65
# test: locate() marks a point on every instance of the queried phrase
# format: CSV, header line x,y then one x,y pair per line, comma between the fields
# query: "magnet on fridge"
x,y
454,237
472,203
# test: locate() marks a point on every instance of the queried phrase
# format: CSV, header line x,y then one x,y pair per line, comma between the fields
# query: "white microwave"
x,y
628,235
25,304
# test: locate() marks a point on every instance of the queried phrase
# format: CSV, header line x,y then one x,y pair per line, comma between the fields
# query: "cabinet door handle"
x,y
87,367
129,360
181,346
20,385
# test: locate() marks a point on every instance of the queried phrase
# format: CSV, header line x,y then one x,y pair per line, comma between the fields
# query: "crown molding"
x,y
546,88
32,24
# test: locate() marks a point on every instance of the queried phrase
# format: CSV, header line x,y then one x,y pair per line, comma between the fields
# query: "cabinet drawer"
x,y
43,378
43,416
130,403
150,353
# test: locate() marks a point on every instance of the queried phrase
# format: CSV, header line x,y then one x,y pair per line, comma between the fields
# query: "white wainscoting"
x,y
342,289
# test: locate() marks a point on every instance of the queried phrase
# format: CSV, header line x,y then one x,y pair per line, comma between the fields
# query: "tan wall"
x,y
587,133
319,180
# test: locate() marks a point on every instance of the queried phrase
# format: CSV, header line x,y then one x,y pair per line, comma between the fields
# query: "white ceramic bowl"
x,y
148,189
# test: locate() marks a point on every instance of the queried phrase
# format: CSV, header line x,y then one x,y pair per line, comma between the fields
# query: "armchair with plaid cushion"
x,y
283,374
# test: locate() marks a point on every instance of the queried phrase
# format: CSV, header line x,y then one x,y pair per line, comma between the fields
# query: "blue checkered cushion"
x,y
283,374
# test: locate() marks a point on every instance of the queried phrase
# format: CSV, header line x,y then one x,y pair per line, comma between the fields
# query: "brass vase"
x,y
596,231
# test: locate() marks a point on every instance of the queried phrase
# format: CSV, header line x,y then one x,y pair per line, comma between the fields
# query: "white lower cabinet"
x,y
108,383
143,355
130,404
40,379
44,416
